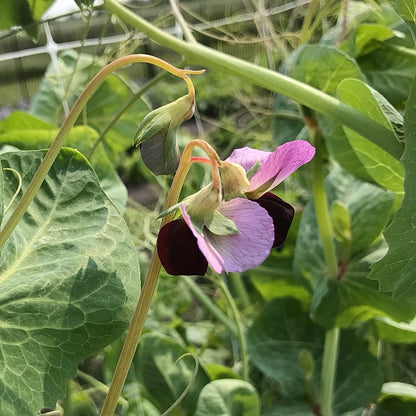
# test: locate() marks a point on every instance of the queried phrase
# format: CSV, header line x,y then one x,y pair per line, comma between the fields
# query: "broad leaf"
x,y
69,278
401,390
355,367
1,195
228,397
280,335
276,339
27,133
407,9
395,272
381,166
323,67
163,377
389,72
358,297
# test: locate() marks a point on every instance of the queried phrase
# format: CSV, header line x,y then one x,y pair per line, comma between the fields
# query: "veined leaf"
x,y
381,166
69,279
228,397
395,272
26,132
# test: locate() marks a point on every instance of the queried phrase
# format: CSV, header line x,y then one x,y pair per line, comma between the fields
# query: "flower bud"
x,y
234,180
202,205
156,135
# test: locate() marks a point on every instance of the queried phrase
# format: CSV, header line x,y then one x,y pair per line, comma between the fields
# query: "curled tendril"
x,y
188,387
19,187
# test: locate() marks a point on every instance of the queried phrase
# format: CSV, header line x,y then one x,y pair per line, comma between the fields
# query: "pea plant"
x,y
279,272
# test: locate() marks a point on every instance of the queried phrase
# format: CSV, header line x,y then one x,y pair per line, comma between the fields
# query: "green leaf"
x,y
1,195
407,9
27,132
366,38
277,337
341,222
395,271
228,397
69,279
381,166
163,377
403,391
355,367
323,67
389,71
398,332
369,208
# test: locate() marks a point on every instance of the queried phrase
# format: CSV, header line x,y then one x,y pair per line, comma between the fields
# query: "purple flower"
x,y
238,234
271,168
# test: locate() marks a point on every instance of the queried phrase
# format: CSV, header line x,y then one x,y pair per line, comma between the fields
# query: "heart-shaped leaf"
x,y
69,278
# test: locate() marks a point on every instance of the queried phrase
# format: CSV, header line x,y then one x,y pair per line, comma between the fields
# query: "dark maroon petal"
x,y
282,214
178,250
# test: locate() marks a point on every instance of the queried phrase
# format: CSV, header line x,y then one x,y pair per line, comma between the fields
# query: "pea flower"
x,y
237,233
267,170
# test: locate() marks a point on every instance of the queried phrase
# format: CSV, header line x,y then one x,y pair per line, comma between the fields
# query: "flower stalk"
x,y
150,283
69,122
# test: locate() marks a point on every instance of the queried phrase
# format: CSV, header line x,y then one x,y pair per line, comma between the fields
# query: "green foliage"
x,y
26,132
165,378
228,397
395,271
68,276
23,13
381,166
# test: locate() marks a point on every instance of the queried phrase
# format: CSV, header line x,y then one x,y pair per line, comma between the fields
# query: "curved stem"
x,y
70,120
150,283
266,78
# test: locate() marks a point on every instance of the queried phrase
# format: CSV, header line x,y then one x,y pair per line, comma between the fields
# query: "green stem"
x,y
67,125
98,385
266,78
238,284
150,283
328,373
324,226
210,305
321,206
238,324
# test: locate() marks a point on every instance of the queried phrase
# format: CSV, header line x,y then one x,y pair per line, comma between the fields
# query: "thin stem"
x,y
70,120
321,205
150,283
210,305
179,18
238,284
266,78
238,324
329,365
324,227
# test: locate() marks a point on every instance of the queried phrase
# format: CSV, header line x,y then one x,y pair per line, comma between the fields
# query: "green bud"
x,y
156,135
234,180
201,206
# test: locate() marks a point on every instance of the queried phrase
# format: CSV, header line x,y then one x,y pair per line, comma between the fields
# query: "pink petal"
x,y
213,257
242,251
281,163
252,245
248,157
